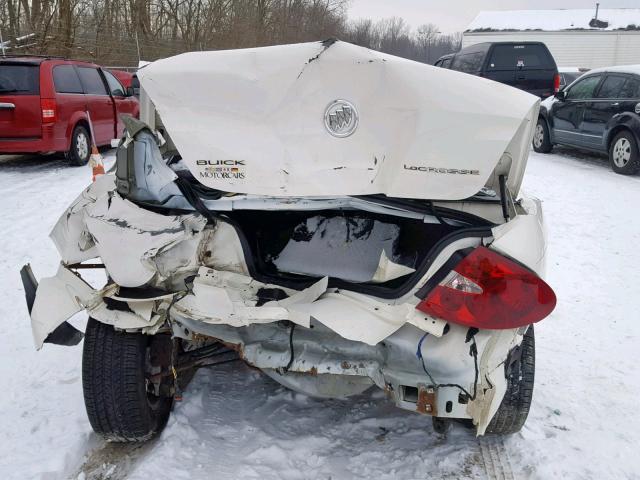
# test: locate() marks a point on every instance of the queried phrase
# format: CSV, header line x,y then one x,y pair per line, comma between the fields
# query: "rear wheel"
x,y
541,139
80,150
121,403
514,409
623,154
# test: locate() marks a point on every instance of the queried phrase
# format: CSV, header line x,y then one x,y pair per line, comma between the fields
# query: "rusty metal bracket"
x,y
427,400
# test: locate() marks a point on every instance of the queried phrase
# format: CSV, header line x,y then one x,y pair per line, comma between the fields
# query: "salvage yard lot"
x,y
236,423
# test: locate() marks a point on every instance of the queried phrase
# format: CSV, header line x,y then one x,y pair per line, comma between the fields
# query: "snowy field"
x,y
236,423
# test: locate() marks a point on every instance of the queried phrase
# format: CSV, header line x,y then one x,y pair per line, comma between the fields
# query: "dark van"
x,y
528,66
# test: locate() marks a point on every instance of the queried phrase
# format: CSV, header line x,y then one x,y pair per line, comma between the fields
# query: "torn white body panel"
x,y
70,236
253,121
129,238
230,298
65,294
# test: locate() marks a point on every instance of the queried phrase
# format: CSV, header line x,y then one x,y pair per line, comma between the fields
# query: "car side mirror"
x,y
561,95
130,92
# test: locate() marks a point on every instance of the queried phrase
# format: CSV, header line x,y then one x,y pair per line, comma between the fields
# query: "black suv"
x,y
600,112
528,66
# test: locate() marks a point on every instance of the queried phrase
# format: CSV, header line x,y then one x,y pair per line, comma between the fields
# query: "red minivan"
x,y
47,104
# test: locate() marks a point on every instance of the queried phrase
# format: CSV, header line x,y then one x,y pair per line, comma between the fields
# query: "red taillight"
x,y
49,110
556,83
488,291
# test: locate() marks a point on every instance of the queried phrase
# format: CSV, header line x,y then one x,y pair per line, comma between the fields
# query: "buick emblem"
x,y
341,118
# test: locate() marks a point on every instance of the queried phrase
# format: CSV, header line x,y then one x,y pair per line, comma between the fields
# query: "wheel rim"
x,y
82,145
621,152
538,136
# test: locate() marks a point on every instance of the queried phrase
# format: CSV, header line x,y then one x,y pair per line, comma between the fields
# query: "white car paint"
x,y
405,117
265,107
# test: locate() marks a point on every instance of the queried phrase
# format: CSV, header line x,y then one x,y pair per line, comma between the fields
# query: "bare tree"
x,y
114,31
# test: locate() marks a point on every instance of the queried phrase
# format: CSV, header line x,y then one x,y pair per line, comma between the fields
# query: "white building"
x,y
576,38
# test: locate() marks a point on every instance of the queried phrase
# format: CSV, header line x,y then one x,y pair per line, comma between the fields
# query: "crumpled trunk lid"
x,y
331,118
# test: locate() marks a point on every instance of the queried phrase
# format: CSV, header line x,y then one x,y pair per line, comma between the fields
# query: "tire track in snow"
x,y
113,461
495,458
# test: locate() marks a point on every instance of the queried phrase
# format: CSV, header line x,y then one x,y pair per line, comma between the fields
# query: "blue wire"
x,y
419,351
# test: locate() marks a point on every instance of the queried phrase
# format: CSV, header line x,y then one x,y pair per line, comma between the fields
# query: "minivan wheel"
x,y
623,154
80,150
118,394
541,140
514,409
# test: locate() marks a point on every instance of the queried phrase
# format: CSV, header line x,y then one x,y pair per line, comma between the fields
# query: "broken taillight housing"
x,y
489,291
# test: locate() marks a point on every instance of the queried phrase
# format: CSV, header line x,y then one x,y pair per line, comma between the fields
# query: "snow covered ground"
x,y
236,423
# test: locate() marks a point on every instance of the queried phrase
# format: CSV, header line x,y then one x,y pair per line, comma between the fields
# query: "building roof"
x,y
557,20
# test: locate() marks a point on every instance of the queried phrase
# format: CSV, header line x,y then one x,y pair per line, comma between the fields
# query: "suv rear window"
x,y
66,79
468,62
631,88
92,81
611,87
19,79
511,57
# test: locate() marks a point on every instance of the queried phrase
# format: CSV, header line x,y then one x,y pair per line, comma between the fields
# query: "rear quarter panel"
x,y
523,238
627,120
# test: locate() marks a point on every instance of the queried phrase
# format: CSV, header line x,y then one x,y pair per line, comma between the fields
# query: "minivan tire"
x,y
80,150
623,154
114,383
514,409
541,139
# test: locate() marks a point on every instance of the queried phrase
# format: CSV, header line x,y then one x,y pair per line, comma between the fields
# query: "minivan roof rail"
x,y
26,55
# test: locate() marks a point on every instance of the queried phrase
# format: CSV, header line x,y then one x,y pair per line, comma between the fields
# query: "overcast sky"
x,y
455,15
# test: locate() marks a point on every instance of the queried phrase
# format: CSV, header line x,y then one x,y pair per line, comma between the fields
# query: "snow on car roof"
x,y
620,69
555,20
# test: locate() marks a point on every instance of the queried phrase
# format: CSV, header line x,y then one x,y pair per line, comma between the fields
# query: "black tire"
x,y
80,150
541,140
514,409
623,154
114,383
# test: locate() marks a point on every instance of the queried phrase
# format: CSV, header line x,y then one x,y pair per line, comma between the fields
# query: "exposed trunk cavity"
x,y
349,246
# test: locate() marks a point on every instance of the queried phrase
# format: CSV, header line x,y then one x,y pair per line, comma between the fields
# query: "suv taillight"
x,y
488,291
556,83
49,110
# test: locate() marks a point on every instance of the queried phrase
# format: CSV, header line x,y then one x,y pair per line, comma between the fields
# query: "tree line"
x,y
120,32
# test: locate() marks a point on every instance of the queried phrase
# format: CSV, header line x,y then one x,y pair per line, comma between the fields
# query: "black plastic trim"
x,y
442,272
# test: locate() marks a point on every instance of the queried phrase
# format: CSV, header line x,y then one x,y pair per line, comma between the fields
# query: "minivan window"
x,y
611,87
511,57
468,62
584,88
66,79
631,88
115,86
91,81
19,79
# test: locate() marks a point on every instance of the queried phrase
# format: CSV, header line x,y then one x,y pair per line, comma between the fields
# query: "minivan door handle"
x,y
7,106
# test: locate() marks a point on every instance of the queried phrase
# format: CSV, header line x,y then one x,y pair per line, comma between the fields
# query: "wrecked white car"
x,y
336,217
